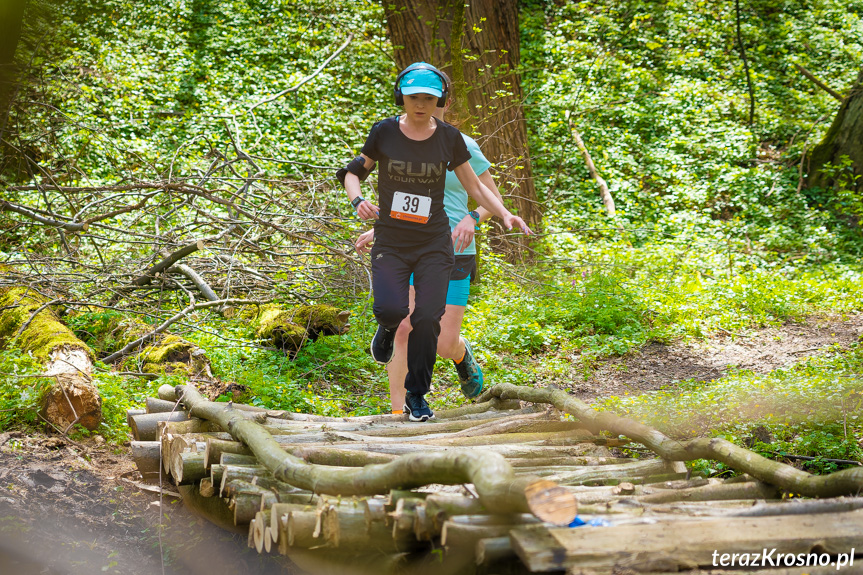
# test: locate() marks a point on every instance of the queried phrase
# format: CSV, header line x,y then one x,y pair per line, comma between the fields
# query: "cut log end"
x,y
550,502
72,401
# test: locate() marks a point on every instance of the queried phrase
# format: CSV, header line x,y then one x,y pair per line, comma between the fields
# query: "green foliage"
x,y
20,389
659,95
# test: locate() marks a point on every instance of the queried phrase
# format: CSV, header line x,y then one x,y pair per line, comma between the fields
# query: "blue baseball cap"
x,y
421,82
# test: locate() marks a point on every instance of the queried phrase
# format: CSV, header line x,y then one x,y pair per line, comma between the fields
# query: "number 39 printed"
x,y
411,207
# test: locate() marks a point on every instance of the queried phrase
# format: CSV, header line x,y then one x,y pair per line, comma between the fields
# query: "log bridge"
x,y
523,481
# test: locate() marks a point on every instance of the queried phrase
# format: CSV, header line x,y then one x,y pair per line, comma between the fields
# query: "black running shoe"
x,y
382,345
417,408
469,373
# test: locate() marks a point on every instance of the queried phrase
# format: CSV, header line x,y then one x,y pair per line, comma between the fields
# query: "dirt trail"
x,y
658,365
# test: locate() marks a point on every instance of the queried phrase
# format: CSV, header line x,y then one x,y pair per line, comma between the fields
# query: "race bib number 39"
x,y
411,208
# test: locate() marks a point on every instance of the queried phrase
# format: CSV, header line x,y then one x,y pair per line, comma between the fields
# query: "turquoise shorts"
x,y
459,289
456,292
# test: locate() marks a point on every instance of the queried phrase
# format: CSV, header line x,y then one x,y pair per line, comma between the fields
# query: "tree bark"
x,y
844,138
482,56
11,20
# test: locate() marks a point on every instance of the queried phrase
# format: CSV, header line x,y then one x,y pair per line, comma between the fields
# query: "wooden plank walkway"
x,y
488,488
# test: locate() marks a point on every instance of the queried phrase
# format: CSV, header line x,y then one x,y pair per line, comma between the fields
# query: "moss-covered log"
x,y
27,322
494,479
787,478
289,329
164,353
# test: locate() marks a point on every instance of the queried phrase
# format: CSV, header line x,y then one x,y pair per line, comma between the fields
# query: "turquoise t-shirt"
x,y
455,196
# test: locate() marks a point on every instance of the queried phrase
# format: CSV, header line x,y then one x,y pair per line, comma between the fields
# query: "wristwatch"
x,y
357,201
475,215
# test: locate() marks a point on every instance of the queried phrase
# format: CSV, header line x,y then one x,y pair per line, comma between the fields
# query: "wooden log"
x,y
403,517
251,538
245,501
492,405
130,413
155,405
216,447
344,526
637,471
339,457
802,507
321,455
145,426
282,492
303,529
173,446
259,528
188,467
257,474
588,495
566,463
28,322
216,473
278,516
192,425
686,544
205,487
146,455
440,507
512,452
751,490
683,484
493,478
268,499
376,511
236,459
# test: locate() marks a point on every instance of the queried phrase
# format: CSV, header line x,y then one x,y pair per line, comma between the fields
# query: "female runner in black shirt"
x,y
412,232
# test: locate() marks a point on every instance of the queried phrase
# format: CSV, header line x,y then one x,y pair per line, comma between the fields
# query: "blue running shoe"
x,y
469,373
417,408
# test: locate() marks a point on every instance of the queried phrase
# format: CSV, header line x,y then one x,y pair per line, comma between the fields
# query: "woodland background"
x,y
728,135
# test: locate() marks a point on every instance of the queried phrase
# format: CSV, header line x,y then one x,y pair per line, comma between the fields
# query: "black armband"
x,y
357,167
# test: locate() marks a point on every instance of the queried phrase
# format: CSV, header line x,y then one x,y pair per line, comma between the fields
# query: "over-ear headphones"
x,y
397,92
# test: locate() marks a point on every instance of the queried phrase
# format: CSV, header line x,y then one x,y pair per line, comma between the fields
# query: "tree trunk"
x,y
11,19
844,138
477,44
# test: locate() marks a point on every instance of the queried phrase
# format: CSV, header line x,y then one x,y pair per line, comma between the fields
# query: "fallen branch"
x,y
196,279
167,262
307,78
6,206
818,82
604,192
786,477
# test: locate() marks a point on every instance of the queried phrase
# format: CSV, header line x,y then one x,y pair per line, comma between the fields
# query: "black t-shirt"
x,y
413,167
